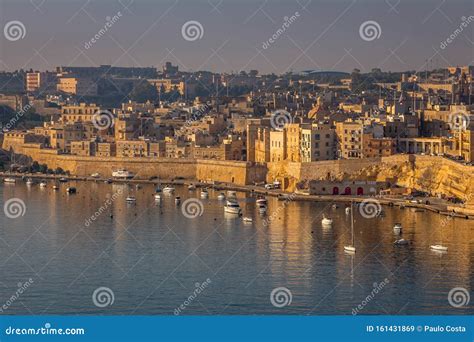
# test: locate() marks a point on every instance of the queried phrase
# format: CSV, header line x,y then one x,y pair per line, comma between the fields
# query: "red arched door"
x,y
335,190
360,191
347,191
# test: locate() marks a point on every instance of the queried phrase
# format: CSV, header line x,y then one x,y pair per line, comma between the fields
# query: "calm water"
x,y
152,257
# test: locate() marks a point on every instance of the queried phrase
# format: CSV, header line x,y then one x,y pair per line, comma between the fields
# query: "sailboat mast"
x,y
352,224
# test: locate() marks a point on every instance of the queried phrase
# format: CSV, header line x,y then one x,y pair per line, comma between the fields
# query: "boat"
x,y
350,248
335,206
158,190
131,199
122,174
262,208
168,190
29,181
63,180
43,184
232,207
261,200
326,221
55,187
95,175
71,190
204,193
348,210
221,196
401,242
109,181
439,248
138,187
247,219
231,193
397,228
177,200
9,180
157,197
191,187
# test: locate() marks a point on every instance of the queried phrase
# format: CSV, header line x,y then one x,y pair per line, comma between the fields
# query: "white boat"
x,y
130,199
326,221
43,184
122,174
191,187
335,206
168,190
55,187
247,219
351,248
221,196
29,181
348,210
231,193
232,207
261,200
397,228
71,190
95,175
439,248
157,197
9,180
262,208
177,200
401,242
204,193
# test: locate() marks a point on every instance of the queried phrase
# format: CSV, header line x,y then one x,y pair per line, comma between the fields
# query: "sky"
x,y
235,35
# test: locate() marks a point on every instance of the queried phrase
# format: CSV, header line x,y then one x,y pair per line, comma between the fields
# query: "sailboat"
x,y
440,247
351,248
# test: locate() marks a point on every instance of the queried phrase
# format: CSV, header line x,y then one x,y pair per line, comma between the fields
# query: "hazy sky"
x,y
324,35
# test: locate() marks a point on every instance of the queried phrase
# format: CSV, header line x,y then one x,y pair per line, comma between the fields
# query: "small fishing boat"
x,y
348,210
168,190
177,200
71,190
158,189
30,181
55,187
232,207
326,221
204,193
397,228
43,184
247,219
439,248
401,242
221,196
63,180
334,206
262,208
95,175
191,187
131,199
157,197
109,181
261,200
231,193
10,180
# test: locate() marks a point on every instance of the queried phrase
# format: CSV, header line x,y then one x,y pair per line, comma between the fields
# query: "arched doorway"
x,y
335,190
347,191
360,191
